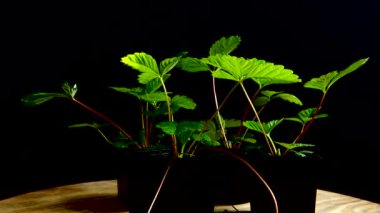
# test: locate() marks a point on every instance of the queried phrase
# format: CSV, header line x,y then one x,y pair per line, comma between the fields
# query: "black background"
x,y
46,43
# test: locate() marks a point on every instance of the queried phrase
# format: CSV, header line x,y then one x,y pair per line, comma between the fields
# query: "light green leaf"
x,y
70,90
154,97
230,67
168,64
239,69
190,64
145,64
321,83
154,85
324,82
225,45
268,126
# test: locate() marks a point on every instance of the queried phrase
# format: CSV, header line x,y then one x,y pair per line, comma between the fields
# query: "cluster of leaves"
x,y
158,105
224,66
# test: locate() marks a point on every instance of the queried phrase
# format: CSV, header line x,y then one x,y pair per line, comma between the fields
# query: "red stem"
x,y
103,117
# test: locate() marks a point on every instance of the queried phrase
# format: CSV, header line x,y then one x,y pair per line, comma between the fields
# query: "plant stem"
x,y
245,162
146,125
170,117
304,130
218,113
104,117
215,113
245,115
312,119
160,186
270,145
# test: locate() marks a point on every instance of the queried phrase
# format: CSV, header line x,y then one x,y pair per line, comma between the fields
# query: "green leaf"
x,y
154,97
249,140
206,139
70,90
321,83
306,115
124,144
190,64
168,64
154,84
261,101
140,93
239,69
324,82
268,126
41,97
187,130
230,67
93,125
231,123
145,64
225,45
137,91
282,95
294,145
180,101
168,127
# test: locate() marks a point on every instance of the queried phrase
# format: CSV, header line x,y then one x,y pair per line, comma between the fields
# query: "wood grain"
x,y
101,197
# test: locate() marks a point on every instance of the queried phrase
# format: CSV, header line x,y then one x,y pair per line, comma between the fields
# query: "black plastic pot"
x,y
293,181
198,184
188,187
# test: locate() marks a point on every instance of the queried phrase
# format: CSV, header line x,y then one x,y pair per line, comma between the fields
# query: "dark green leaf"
x,y
93,125
180,101
282,95
231,123
137,92
168,127
294,145
206,139
39,98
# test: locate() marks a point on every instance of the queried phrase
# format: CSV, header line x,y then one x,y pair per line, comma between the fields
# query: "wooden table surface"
x,y
101,197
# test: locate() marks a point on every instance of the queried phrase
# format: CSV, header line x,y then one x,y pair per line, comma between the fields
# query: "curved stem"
x,y
103,117
247,111
215,113
218,113
271,146
246,163
304,130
